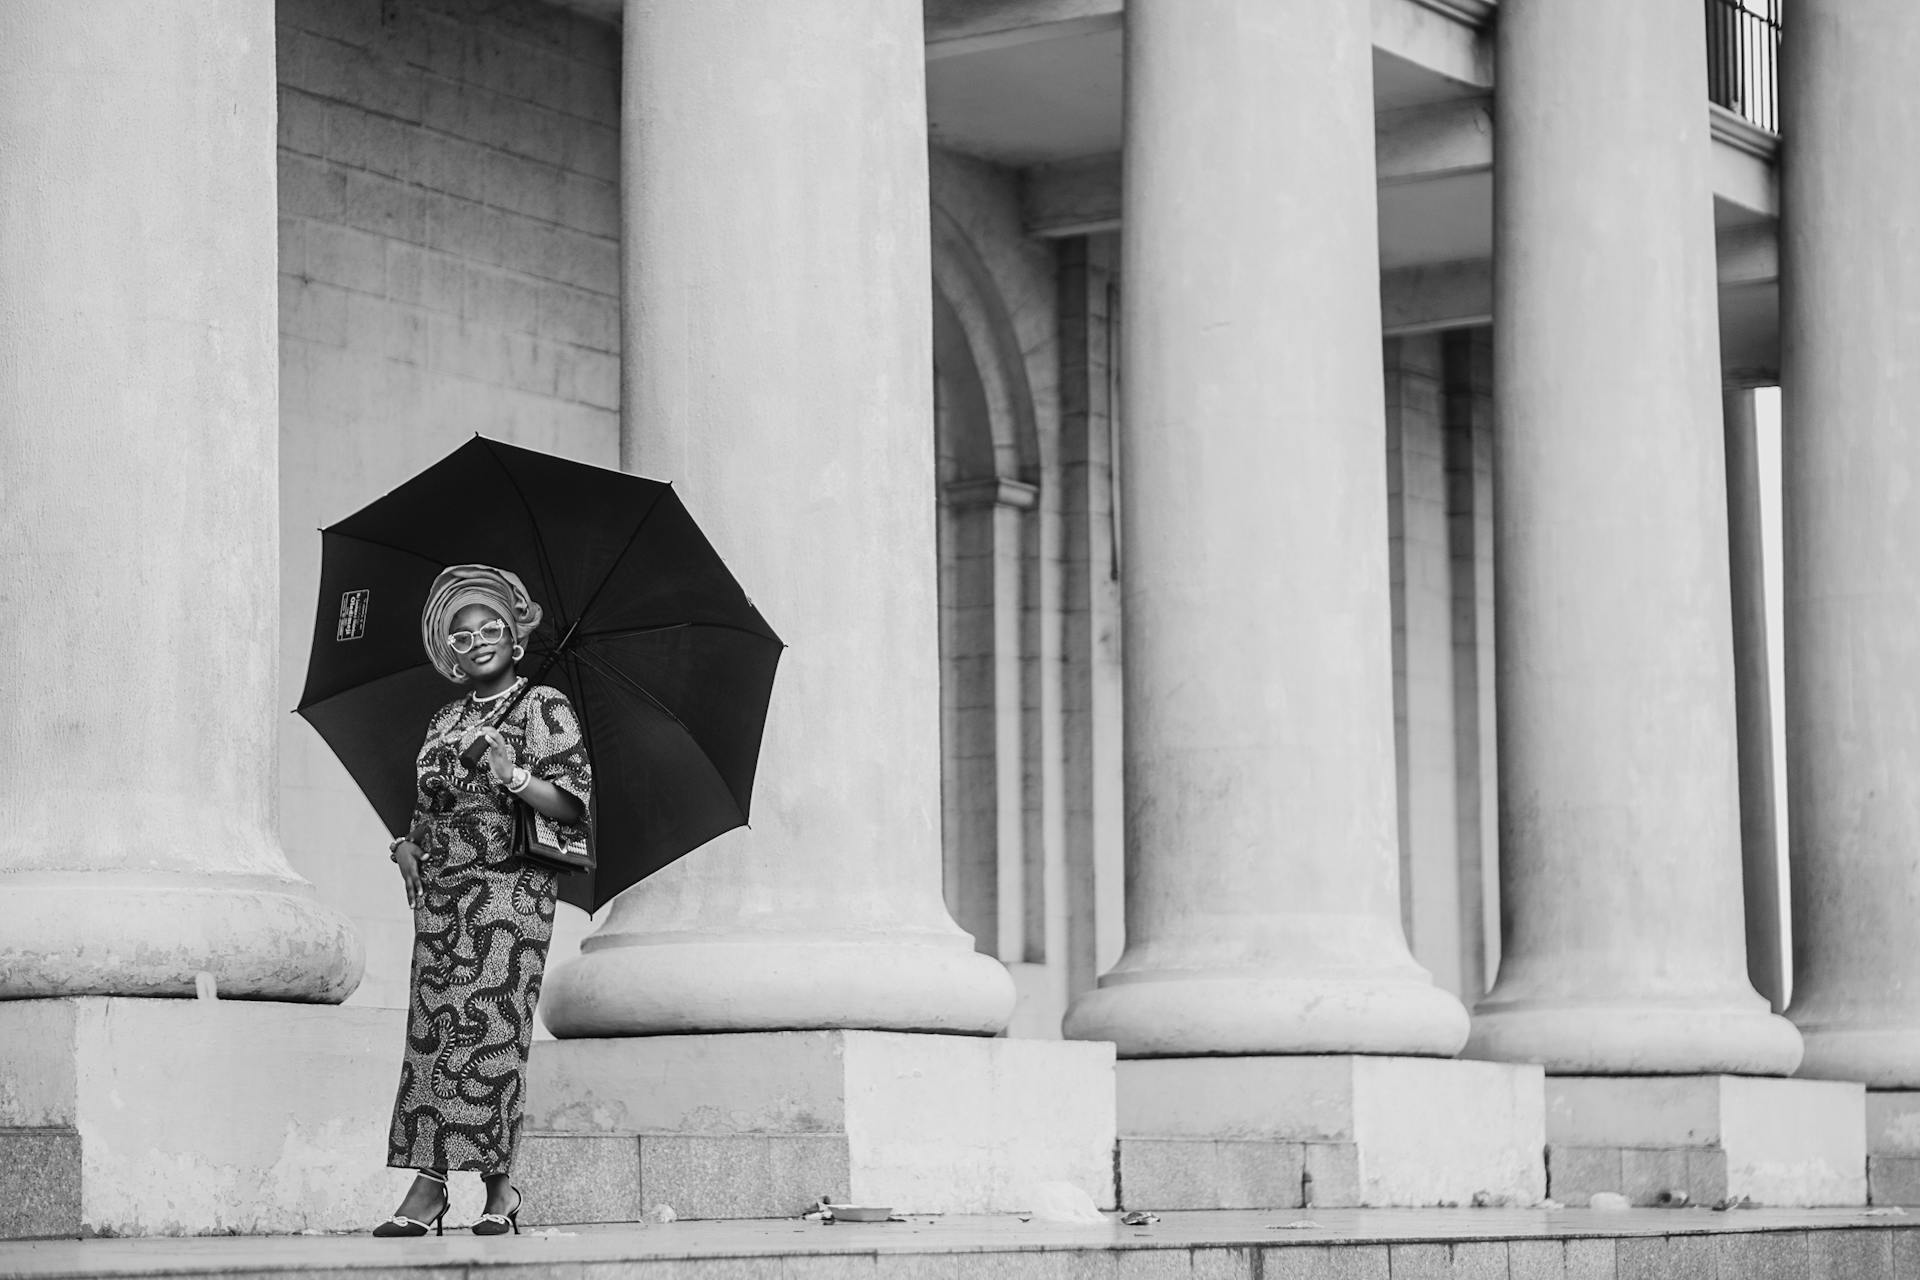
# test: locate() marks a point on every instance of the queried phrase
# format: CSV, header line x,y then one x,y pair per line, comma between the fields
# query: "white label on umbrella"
x,y
353,615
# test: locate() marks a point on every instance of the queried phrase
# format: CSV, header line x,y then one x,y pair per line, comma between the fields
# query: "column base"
x,y
1636,1039
639,985
1882,1057
1178,1016
190,1117
1786,1143
1893,1147
1328,1131
760,1125
96,933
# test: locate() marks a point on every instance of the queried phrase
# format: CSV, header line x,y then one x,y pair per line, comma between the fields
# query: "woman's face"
x,y
483,661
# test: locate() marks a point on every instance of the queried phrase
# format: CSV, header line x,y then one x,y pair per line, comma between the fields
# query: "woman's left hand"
x,y
502,759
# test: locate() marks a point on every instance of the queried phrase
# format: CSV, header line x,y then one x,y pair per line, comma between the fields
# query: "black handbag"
x,y
537,841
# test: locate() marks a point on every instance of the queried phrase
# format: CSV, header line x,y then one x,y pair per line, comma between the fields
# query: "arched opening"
x,y
985,450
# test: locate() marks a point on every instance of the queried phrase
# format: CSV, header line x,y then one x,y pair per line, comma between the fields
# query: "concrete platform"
x,y
145,1116
1893,1146
1328,1131
1776,1142
1404,1244
761,1124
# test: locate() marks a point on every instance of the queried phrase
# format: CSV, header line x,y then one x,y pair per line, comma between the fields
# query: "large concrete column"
x,y
1623,945
139,547
1263,911
1850,381
778,348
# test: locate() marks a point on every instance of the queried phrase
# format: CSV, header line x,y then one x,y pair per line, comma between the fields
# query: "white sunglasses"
x,y
488,633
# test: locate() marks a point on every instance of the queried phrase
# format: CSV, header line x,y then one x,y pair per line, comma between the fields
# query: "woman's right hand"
x,y
407,857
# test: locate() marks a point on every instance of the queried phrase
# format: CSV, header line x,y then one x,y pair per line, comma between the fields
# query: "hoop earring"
x,y
519,652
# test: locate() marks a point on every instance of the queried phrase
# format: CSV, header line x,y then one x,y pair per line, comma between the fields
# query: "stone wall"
x,y
1091,556
449,264
1469,418
1439,484
1014,598
1423,701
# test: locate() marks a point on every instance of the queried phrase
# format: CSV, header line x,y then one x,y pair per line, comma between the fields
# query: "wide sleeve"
x,y
556,749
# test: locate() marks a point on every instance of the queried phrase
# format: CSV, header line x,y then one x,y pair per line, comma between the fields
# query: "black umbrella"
x,y
668,663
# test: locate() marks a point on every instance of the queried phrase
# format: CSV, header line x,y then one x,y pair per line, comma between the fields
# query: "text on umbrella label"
x,y
353,615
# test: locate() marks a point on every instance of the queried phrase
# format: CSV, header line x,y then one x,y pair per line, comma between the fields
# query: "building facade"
x,y
1260,495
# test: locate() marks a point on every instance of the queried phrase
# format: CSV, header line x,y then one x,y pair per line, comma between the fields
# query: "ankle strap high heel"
x,y
498,1224
398,1225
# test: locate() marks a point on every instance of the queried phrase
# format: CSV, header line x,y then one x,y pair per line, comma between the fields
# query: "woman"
x,y
482,919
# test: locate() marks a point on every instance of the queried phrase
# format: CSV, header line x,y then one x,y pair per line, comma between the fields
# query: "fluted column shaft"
x,y
1623,944
1850,380
1262,876
139,547
777,337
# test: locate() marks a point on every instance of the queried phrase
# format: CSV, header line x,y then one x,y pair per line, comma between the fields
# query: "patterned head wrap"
x,y
461,585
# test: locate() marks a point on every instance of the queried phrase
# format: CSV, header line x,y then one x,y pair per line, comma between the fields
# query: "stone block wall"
x,y
449,264
1439,517
1091,555
1423,701
1469,416
1030,614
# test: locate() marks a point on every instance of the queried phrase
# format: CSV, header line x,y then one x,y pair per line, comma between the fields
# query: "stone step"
x,y
1646,1176
591,1178
1188,1173
757,1124
1893,1180
1322,1244
1776,1142
39,1182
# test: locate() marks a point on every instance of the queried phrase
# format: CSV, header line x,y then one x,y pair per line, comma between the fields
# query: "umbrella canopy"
x,y
666,660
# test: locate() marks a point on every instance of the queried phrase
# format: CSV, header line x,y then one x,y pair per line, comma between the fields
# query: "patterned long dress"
x,y
480,938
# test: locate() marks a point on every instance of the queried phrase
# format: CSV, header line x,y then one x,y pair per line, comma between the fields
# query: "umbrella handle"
x,y
478,747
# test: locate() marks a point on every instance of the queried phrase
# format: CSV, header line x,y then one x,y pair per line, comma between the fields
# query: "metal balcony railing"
x,y
1743,59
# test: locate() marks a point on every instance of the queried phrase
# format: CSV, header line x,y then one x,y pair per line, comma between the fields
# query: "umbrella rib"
x,y
629,633
539,542
395,674
620,677
338,532
632,538
586,740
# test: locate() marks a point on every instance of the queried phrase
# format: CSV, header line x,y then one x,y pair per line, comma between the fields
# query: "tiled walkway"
x,y
1375,1244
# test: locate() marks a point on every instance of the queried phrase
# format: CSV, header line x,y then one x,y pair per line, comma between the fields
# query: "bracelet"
x,y
518,782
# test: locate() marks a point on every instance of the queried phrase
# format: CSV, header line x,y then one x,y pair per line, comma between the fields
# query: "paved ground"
x,y
1510,1244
